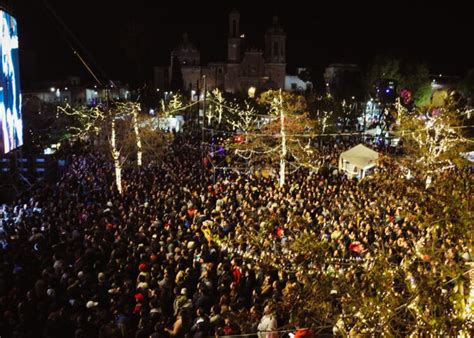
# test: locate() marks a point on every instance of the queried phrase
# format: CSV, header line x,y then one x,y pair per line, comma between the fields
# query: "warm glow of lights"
x,y
251,92
239,139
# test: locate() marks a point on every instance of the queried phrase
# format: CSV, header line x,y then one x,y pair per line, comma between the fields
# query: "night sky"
x,y
123,42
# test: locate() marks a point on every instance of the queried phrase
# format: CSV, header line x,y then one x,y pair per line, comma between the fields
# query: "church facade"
x,y
243,69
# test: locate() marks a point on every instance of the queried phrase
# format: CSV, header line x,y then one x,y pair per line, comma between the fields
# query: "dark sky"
x,y
317,34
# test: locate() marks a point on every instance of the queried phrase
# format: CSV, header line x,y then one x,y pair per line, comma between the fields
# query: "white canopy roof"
x,y
360,156
374,131
468,156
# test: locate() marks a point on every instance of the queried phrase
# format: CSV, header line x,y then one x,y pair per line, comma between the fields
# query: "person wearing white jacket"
x,y
268,324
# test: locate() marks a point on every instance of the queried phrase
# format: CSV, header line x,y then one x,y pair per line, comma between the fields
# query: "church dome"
x,y
276,27
185,46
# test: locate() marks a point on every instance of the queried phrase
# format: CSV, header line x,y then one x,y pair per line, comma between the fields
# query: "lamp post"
x,y
203,121
203,99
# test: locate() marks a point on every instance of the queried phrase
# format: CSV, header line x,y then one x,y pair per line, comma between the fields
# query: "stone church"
x,y
242,70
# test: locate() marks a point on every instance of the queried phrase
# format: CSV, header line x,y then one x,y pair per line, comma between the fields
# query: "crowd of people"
x,y
178,254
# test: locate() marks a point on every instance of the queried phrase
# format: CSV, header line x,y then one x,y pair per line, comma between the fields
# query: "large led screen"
x,y
11,125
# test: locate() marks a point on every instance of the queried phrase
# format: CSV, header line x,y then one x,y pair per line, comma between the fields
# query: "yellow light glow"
x,y
251,92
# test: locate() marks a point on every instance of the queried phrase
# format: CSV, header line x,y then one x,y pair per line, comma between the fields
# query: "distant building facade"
x,y
242,70
298,83
343,81
74,93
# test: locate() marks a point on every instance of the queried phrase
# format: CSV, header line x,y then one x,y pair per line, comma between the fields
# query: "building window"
x,y
190,86
219,70
197,84
293,86
234,28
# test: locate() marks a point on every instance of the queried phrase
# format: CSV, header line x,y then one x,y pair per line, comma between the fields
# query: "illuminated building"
x,y
242,70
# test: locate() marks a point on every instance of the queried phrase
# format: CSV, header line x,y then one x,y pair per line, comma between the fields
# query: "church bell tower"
x,y
233,41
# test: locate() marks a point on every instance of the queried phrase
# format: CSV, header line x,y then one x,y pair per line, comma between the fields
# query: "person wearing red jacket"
x,y
236,272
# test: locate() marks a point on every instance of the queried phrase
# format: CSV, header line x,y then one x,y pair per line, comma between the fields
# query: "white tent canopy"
x,y
374,131
468,156
356,161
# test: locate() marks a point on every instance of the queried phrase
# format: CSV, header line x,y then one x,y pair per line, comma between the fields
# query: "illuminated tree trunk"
x,y
116,157
137,137
467,306
220,115
209,117
220,109
283,144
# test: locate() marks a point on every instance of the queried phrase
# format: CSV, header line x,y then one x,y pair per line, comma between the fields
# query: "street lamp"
x,y
203,93
203,118
251,92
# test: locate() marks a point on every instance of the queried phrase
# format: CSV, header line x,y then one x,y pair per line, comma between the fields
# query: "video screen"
x,y
11,124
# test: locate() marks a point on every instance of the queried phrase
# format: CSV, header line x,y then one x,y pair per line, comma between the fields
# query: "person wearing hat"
x,y
139,298
144,275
